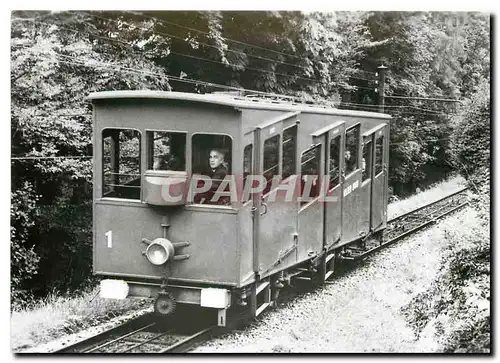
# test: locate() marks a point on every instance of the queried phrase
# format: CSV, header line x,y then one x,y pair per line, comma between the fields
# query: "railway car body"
x,y
153,239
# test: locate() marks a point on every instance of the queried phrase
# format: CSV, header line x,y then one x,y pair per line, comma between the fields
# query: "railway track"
x,y
407,224
146,335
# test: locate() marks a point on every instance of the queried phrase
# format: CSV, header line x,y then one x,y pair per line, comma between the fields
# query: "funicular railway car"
x,y
154,238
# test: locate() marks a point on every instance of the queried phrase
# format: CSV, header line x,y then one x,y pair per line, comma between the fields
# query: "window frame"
x,y
319,146
148,156
357,166
279,157
251,144
141,169
189,170
369,141
295,151
339,171
382,137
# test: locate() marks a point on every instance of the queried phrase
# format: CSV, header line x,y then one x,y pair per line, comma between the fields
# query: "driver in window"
x,y
217,163
218,171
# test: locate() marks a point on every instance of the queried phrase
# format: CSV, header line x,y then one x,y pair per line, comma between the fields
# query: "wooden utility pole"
x,y
381,85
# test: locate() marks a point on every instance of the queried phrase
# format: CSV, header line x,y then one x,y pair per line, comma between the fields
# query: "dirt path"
x,y
358,312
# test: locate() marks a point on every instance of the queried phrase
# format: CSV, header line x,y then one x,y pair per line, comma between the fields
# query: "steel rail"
x,y
426,206
99,337
140,344
184,345
118,339
404,234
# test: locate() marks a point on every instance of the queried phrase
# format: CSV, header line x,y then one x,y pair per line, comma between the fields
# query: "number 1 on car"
x,y
109,234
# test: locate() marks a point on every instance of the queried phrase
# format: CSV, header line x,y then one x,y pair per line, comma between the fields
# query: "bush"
x,y
457,304
471,137
25,261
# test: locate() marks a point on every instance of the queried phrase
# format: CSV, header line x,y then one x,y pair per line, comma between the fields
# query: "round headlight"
x,y
159,251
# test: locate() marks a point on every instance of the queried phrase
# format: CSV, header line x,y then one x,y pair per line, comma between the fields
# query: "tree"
x,y
471,137
56,61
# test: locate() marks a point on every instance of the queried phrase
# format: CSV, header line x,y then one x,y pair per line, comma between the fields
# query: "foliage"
x,y
458,303
472,135
437,55
24,260
58,314
58,58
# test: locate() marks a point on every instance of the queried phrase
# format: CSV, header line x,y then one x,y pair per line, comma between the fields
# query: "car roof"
x,y
232,101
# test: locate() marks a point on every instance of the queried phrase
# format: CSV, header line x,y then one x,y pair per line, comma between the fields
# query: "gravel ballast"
x,y
359,311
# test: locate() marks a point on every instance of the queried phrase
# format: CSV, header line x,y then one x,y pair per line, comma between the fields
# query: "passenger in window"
x,y
217,173
347,156
167,162
160,163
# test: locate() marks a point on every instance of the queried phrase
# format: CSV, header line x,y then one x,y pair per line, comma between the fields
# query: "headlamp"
x,y
159,251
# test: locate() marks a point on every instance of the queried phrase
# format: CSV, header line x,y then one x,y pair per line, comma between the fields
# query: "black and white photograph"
x,y
250,181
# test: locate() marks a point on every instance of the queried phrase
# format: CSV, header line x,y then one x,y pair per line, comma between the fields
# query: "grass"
x,y
456,307
365,310
56,316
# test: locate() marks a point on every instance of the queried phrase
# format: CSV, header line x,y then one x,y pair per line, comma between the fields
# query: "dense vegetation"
x,y
58,58
457,305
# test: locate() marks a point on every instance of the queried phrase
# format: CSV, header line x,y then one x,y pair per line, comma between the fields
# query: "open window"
x,y
351,149
166,150
121,163
366,162
379,153
334,162
212,157
289,151
271,160
310,168
247,165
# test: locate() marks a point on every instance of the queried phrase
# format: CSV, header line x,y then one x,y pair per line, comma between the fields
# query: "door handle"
x,y
263,204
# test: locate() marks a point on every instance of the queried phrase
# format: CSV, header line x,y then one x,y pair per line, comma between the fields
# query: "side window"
x,y
121,153
247,164
310,168
166,150
379,152
366,163
203,146
351,149
212,157
289,147
271,160
334,162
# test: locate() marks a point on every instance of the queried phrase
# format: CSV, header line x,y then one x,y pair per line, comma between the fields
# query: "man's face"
x,y
215,159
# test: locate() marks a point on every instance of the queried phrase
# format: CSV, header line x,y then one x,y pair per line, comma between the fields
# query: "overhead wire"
x,y
425,140
117,67
201,58
203,32
197,41
232,40
187,80
424,98
195,81
197,30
